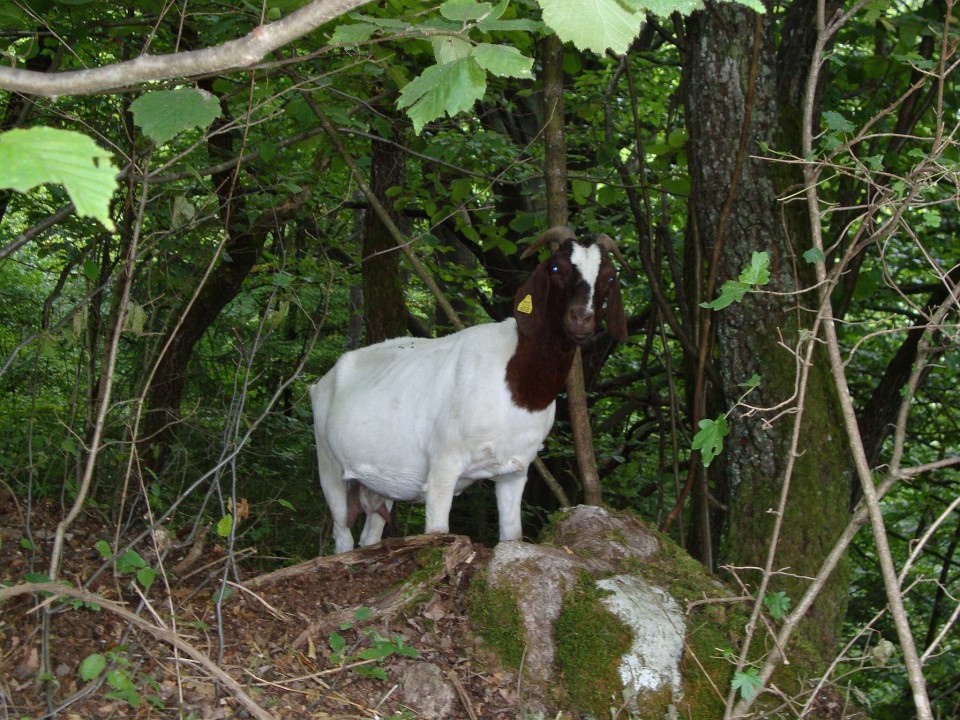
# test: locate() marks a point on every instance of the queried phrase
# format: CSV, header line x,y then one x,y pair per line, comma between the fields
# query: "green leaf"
x,y
26,544
362,613
581,190
92,666
595,26
709,440
103,547
337,642
352,33
730,292
748,683
447,88
225,525
753,382
129,562
41,155
145,577
164,114
465,10
758,271
777,604
489,24
503,60
814,255
449,48
287,504
376,653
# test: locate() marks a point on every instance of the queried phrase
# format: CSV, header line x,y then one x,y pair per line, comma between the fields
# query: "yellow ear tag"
x,y
526,305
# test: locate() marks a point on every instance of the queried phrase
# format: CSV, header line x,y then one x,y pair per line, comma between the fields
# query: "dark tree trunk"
x,y
729,82
245,241
385,309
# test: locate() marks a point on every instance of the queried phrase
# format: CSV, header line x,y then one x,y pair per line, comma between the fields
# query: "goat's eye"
x,y
555,268
610,279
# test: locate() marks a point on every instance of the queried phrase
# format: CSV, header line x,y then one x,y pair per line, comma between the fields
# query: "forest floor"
x,y
276,634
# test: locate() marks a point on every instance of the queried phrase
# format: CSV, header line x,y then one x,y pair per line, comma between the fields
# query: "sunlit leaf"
x,y
39,155
442,89
164,114
503,60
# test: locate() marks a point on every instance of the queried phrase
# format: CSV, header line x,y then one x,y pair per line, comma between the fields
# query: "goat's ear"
x,y
530,304
616,319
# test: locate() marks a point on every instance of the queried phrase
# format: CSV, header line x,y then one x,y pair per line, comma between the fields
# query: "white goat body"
x,y
419,420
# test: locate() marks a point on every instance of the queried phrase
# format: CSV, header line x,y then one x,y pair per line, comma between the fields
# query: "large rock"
x,y
600,631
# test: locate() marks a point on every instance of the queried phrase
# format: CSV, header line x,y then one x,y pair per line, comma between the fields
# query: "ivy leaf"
x,y
709,440
34,156
730,292
777,604
814,255
595,26
758,271
748,683
442,89
503,60
164,114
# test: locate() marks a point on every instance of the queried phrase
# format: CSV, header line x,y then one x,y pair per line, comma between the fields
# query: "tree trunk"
x,y
245,241
556,192
735,100
385,309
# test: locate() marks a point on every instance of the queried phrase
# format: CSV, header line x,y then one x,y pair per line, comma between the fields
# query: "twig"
x,y
158,632
462,693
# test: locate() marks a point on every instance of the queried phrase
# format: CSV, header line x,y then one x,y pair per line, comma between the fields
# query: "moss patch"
x,y
589,642
498,619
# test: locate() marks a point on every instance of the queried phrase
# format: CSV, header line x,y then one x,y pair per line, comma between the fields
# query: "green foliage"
x,y
41,155
164,114
777,604
709,439
363,661
443,89
755,275
748,682
129,562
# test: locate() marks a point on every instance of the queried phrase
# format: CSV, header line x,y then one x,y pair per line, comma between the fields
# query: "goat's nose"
x,y
581,314
580,323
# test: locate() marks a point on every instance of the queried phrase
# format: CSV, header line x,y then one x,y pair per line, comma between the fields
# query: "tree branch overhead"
x,y
231,55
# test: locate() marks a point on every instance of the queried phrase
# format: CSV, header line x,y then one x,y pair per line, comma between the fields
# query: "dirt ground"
x,y
273,635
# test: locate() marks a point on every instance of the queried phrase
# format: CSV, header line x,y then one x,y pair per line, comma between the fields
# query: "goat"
x,y
419,420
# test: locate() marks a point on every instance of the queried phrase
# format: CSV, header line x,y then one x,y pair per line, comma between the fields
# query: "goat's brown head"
x,y
567,291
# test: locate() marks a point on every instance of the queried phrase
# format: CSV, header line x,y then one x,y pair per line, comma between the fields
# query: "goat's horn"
x,y
607,243
556,234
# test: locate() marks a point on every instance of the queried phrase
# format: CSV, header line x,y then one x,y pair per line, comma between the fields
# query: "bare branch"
x,y
240,53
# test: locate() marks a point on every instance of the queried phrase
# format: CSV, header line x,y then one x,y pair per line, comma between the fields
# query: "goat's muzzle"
x,y
580,323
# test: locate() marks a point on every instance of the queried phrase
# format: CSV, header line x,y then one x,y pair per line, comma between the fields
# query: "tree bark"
x,y
556,192
385,309
734,201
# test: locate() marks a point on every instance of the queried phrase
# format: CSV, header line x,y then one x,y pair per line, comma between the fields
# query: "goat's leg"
x,y
336,493
441,484
377,509
509,490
